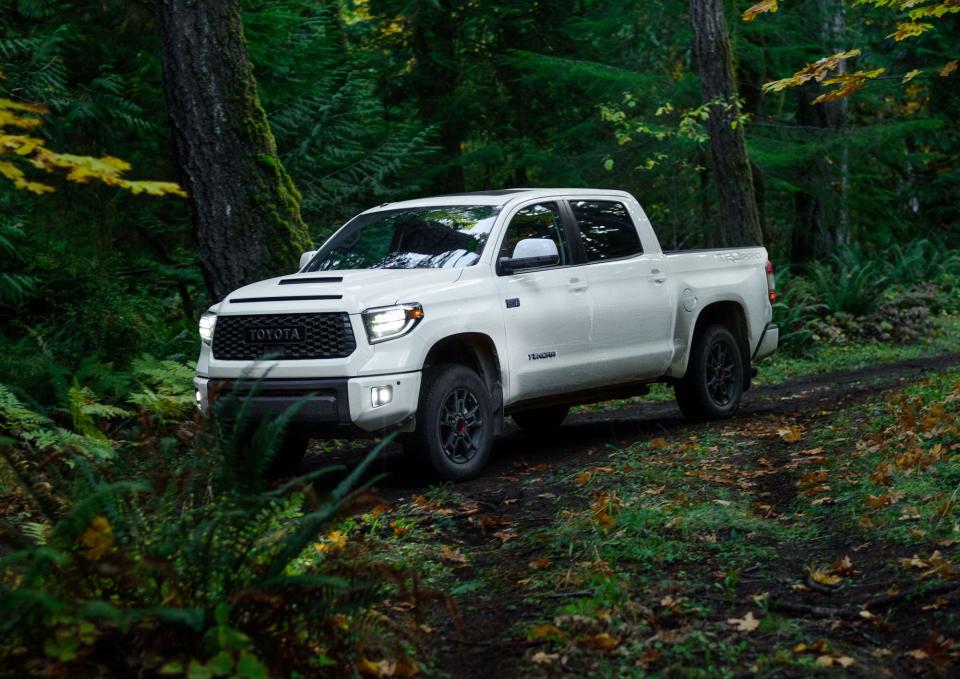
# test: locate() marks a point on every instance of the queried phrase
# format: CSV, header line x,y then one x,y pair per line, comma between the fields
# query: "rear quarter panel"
x,y
705,277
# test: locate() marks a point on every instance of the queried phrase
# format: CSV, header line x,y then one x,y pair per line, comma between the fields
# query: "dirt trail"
x,y
527,480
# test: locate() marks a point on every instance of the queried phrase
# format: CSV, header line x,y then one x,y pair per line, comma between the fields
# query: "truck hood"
x,y
351,290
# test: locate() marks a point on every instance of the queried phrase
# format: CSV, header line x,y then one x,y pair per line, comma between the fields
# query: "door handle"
x,y
658,280
577,285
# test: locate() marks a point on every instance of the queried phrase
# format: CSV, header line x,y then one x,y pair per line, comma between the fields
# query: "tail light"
x,y
771,283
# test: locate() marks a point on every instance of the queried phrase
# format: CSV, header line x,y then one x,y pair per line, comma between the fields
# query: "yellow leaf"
x,y
543,632
659,443
911,75
747,623
790,434
948,69
824,578
98,538
602,641
909,29
817,71
760,8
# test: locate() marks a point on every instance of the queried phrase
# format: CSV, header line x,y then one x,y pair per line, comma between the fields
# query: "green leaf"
x,y
198,671
221,664
172,667
249,667
608,164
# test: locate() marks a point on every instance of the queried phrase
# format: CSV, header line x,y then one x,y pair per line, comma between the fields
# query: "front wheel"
x,y
454,430
713,386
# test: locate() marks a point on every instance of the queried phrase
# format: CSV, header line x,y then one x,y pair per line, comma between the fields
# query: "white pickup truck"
x,y
439,317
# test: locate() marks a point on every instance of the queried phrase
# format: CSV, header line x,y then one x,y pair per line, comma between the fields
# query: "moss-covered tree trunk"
x,y
243,204
729,165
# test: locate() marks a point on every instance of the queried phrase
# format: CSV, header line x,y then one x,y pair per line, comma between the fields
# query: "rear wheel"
x,y
454,430
713,386
541,420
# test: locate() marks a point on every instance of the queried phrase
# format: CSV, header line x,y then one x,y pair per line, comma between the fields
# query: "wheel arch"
x,y
731,315
478,352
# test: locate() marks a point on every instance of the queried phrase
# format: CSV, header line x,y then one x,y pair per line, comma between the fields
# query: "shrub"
x,y
849,283
198,568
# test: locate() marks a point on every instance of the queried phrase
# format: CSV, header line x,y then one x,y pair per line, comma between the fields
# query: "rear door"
x,y
546,310
632,316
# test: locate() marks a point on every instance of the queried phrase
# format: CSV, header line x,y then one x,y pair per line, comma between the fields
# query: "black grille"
x,y
323,336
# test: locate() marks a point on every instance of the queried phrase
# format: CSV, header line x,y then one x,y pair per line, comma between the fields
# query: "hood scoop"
x,y
294,298
315,279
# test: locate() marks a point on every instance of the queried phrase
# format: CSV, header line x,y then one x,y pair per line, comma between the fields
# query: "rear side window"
x,y
606,230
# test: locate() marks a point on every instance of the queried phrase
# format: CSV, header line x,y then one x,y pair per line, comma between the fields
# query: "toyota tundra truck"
x,y
440,317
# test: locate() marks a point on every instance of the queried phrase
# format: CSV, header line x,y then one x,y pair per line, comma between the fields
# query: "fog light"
x,y
381,396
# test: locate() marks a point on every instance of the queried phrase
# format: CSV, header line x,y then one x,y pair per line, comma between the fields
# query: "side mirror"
x,y
305,258
531,253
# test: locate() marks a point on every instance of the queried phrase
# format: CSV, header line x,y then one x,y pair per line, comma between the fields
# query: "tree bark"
x,y
730,167
244,207
834,29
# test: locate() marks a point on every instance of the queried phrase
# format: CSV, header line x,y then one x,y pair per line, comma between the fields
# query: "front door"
x,y
546,311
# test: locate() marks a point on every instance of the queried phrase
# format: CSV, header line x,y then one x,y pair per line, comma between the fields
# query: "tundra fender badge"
x,y
539,356
513,302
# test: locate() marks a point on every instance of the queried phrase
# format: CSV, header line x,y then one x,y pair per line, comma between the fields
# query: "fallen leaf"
x,y
824,578
545,631
747,623
842,566
542,658
659,443
790,434
452,555
98,538
539,564
602,641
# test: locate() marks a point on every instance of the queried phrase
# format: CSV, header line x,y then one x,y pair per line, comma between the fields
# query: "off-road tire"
x,y
713,386
454,423
541,420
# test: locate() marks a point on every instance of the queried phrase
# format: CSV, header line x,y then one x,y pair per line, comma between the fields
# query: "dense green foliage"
x,y
371,101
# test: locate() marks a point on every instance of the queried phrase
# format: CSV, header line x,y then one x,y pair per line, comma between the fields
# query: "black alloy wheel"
x,y
460,425
454,422
713,386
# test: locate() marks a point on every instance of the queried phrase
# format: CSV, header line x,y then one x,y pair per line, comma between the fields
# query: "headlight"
x,y
391,322
208,321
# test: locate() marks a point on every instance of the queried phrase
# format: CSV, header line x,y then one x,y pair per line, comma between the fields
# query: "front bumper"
x,y
335,406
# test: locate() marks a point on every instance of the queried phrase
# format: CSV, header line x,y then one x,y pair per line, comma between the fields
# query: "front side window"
x,y
433,237
536,221
606,230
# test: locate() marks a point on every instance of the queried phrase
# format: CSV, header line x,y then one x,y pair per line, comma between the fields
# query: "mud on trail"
x,y
633,541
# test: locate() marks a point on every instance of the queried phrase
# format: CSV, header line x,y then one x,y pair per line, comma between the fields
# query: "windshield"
x,y
435,237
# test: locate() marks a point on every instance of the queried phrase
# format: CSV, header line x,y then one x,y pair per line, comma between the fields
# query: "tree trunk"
x,y
244,207
730,168
834,29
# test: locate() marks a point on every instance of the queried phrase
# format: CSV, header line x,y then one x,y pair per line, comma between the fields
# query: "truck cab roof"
x,y
500,197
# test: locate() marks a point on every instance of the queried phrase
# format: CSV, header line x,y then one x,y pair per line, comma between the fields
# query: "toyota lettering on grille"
x,y
281,335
